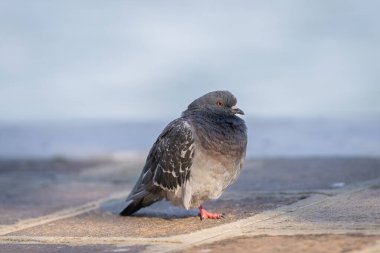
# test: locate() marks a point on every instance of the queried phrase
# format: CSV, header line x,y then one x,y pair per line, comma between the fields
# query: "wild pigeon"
x,y
195,158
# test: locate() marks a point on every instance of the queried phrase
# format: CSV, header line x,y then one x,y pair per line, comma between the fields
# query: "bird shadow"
x,y
161,209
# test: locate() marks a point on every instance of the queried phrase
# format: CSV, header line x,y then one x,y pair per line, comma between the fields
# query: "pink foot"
x,y
203,214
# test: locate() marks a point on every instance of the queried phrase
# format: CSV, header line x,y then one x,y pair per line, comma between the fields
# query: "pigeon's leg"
x,y
203,214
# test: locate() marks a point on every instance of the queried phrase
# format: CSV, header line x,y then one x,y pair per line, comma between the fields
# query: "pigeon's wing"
x,y
171,156
167,166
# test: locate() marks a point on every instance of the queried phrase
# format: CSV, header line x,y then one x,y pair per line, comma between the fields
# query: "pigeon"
x,y
195,158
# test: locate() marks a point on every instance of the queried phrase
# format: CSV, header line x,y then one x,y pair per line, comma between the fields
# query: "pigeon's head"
x,y
216,101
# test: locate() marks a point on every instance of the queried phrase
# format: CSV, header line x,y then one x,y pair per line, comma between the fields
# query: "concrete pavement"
x,y
326,204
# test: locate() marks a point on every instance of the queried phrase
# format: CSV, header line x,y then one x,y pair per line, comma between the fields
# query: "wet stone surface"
x,y
32,188
59,248
305,174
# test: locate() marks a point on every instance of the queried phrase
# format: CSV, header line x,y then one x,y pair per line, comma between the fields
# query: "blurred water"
x,y
267,138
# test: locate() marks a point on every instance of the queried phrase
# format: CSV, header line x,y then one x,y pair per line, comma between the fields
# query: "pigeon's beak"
x,y
236,110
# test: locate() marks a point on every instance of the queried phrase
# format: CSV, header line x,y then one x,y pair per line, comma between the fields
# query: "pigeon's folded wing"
x,y
171,156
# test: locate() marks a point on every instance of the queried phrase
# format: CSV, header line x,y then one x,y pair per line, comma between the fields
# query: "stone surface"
x,y
357,210
72,206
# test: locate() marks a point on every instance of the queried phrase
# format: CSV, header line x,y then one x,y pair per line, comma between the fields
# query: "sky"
x,y
143,60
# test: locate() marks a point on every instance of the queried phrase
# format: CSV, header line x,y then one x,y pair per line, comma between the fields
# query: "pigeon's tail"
x,y
132,206
138,201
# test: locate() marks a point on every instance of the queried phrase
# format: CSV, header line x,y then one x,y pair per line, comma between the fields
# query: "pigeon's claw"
x,y
203,214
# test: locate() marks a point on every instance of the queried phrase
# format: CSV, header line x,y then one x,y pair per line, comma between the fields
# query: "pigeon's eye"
x,y
219,103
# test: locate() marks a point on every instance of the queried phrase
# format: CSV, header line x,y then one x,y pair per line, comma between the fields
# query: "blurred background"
x,y
94,78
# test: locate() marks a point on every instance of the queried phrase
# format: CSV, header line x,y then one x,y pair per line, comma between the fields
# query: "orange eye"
x,y
219,103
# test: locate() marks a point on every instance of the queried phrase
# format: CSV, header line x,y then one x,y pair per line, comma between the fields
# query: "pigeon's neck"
x,y
207,113
219,134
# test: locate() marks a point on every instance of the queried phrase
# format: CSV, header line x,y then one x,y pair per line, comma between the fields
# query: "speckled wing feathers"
x,y
171,155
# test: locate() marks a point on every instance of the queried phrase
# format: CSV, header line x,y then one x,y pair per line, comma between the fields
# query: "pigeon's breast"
x,y
210,176
219,155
